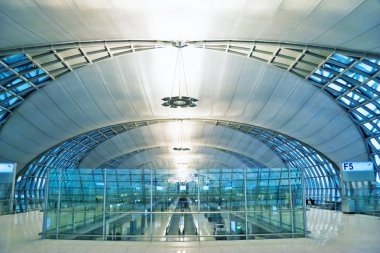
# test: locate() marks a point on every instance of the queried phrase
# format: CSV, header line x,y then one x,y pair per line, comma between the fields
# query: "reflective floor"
x,y
329,232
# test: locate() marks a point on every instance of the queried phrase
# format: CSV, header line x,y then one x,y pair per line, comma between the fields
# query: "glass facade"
x,y
322,182
351,78
19,77
354,83
164,205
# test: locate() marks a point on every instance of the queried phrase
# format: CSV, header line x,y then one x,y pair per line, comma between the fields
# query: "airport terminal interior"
x,y
189,126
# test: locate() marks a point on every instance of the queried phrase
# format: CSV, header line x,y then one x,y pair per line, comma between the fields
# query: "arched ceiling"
x,y
195,134
113,89
200,157
130,87
349,24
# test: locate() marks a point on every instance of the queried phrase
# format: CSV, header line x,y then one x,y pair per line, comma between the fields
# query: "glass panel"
x,y
5,74
23,67
157,205
3,114
355,97
346,101
371,128
11,102
365,68
336,87
374,85
13,58
375,61
355,76
317,79
21,88
342,58
333,67
375,143
5,95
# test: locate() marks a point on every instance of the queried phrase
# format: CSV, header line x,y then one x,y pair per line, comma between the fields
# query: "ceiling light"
x,y
180,148
177,101
182,100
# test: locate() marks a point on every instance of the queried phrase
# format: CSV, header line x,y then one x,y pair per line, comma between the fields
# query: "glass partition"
x,y
159,205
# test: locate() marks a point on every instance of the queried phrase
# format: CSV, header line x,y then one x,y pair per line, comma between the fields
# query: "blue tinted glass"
x,y
364,111
5,95
376,61
333,67
5,74
356,76
375,143
23,67
341,81
355,97
342,58
34,72
12,101
3,114
374,85
14,82
22,87
346,101
42,79
324,73
357,116
336,87
367,92
317,79
365,68
373,108
13,58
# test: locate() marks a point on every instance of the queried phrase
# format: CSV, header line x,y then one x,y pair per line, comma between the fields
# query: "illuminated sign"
x,y
6,167
7,184
358,171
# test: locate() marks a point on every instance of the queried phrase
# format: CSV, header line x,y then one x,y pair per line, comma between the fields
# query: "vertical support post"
x,y
303,200
291,203
245,203
151,204
46,202
12,197
199,208
104,203
58,211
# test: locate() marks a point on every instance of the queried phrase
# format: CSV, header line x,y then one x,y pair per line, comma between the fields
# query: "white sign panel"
x,y
358,171
357,166
7,186
6,167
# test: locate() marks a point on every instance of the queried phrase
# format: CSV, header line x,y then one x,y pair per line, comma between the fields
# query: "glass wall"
x,y
160,205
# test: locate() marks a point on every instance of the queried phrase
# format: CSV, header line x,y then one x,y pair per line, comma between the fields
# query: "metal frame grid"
x,y
117,161
321,176
351,77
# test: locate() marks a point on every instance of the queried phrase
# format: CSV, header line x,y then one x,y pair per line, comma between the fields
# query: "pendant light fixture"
x,y
181,147
182,100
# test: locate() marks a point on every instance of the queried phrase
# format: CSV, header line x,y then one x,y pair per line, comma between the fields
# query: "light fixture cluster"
x,y
180,149
179,101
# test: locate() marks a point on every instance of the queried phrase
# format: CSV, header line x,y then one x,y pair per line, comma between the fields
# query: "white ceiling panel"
x,y
328,23
130,88
209,159
193,136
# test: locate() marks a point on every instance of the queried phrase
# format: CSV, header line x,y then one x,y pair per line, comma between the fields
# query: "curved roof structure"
x,y
278,83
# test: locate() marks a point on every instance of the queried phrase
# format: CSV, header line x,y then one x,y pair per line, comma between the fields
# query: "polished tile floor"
x,y
329,232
